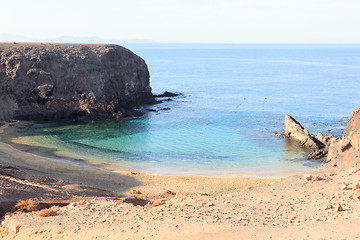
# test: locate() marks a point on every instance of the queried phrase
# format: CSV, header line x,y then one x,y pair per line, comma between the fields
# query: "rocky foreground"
x,y
323,205
48,81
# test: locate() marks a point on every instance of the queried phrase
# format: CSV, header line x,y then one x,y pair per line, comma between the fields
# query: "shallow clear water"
x,y
235,98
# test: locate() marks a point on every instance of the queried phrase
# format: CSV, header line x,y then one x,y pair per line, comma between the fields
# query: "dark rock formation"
x,y
319,145
167,94
327,145
70,81
294,130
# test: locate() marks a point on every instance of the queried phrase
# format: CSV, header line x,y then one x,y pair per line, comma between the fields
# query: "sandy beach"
x,y
90,203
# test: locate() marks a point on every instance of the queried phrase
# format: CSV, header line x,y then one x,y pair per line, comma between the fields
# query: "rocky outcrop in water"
x,y
318,145
70,81
294,130
324,145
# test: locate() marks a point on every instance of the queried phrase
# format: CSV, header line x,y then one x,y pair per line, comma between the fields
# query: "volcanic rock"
x,y
352,130
46,81
294,130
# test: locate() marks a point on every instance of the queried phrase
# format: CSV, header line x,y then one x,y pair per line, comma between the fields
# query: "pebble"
x,y
134,191
168,192
339,208
352,170
330,206
308,177
158,202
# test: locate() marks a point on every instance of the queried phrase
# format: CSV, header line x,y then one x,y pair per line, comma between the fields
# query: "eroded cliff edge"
x,y
47,81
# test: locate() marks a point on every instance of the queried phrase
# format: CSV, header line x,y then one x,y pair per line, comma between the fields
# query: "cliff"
x,y
46,81
352,130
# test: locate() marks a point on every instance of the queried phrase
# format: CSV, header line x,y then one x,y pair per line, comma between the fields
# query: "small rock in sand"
x,y
352,170
72,205
357,186
134,191
330,206
315,178
168,192
308,177
158,202
339,208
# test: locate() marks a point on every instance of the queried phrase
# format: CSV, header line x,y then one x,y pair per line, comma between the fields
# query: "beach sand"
x,y
236,207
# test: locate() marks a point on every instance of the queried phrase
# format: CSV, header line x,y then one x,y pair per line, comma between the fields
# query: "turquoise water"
x,y
234,99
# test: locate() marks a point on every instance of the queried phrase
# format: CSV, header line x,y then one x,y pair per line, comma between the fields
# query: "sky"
x,y
182,21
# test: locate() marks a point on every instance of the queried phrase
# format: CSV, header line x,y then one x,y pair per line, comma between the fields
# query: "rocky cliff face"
x,y
294,130
319,145
352,130
70,81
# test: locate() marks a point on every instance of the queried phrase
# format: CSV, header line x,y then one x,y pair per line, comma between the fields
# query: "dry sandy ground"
x,y
203,207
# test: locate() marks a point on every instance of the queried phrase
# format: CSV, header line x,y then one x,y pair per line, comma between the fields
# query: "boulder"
x,y
46,81
42,93
336,147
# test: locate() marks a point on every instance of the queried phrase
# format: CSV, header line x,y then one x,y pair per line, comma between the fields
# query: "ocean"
x,y
234,98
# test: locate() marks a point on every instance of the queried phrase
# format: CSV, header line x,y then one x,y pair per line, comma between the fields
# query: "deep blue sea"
x,y
234,99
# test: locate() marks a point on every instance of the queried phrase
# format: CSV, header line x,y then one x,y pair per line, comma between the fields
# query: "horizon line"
x,y
154,42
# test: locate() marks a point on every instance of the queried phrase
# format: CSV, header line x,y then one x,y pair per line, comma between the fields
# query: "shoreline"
x,y
123,181
86,160
201,207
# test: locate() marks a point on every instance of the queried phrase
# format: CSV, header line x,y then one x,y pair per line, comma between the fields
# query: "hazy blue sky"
x,y
228,21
